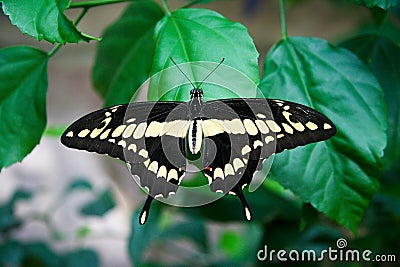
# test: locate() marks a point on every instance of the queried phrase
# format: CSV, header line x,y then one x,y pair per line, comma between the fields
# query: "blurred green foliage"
x,y
40,253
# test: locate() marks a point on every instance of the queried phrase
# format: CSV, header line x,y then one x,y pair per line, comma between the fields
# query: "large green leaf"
x,y
158,229
81,258
142,235
338,176
383,56
23,87
104,202
264,205
43,19
189,35
385,4
125,54
8,218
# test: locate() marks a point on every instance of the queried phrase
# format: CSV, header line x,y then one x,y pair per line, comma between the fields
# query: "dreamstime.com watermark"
x,y
340,253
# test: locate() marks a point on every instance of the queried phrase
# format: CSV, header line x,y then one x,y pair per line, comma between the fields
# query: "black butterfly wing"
x,y
251,131
148,136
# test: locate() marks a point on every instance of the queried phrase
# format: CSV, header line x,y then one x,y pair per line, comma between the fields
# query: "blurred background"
x,y
70,200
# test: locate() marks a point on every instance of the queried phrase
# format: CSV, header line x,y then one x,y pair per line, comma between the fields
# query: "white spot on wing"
x,y
118,131
70,134
250,127
153,167
228,170
140,130
132,147
143,152
262,126
248,214
154,129
172,174
246,149
105,134
273,126
237,164
268,139
162,172
312,126
83,133
143,217
287,128
122,143
146,163
234,126
261,116
327,126
98,131
297,125
257,143
177,128
218,173
129,130
212,127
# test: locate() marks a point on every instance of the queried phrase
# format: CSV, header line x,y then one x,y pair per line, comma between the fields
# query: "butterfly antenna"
x,y
184,74
211,72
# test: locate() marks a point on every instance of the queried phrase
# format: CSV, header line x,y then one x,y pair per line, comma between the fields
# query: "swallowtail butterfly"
x,y
234,136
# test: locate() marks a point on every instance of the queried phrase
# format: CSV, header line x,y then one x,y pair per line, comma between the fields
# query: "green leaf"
x,y
264,206
142,235
83,232
23,87
239,245
189,35
125,54
43,19
338,176
193,230
103,203
39,254
11,253
8,220
21,194
81,258
79,183
385,4
383,56
55,131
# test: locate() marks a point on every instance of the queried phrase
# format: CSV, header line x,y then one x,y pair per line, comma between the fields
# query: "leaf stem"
x,y
83,13
283,19
58,46
166,7
54,50
89,4
192,3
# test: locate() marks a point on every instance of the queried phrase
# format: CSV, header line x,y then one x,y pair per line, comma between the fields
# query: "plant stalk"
x,y
166,7
89,4
283,19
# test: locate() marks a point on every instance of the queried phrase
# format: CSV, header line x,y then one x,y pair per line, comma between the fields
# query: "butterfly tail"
x,y
246,208
144,214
